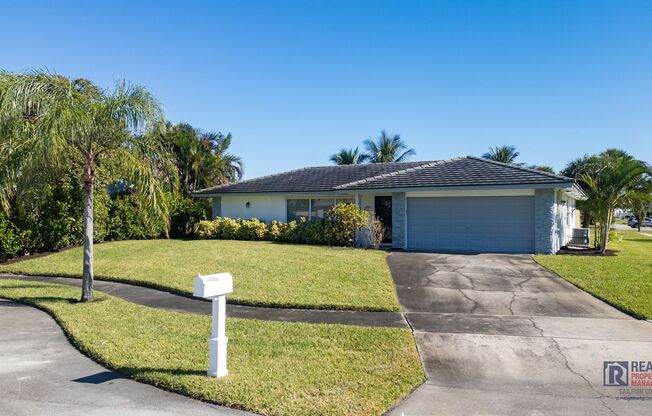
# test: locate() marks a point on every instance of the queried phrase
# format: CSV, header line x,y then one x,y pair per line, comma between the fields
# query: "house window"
x,y
297,209
347,200
311,209
319,207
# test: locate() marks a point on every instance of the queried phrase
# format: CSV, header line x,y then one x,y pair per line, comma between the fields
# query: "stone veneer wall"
x,y
398,220
544,221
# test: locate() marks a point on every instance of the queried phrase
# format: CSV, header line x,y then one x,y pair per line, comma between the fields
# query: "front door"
x,y
383,210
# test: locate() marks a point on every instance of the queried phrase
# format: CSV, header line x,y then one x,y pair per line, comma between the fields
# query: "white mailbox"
x,y
216,287
213,285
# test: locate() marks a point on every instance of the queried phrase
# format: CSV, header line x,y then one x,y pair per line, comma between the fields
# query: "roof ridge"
x,y
397,172
511,165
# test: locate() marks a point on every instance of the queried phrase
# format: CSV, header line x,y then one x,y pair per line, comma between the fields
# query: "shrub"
x,y
126,221
206,229
342,224
11,239
344,220
185,214
253,229
372,233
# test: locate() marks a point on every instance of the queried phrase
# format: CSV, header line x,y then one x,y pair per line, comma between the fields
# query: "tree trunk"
x,y
87,280
605,230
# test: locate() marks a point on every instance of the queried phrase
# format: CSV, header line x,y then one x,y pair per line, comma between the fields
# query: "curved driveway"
x,y
42,374
500,335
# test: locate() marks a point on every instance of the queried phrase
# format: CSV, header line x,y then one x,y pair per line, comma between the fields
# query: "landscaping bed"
x,y
623,278
274,367
265,273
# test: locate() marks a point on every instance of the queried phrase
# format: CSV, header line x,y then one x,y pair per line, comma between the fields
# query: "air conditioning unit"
x,y
581,237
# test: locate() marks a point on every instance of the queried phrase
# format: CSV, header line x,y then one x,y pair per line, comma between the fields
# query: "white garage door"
x,y
471,224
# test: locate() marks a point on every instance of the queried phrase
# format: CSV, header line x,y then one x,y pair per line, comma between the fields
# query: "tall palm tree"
x,y
611,178
57,121
221,167
349,157
202,159
505,154
387,149
542,168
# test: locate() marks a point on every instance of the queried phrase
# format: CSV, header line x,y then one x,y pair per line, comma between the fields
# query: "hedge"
x,y
345,224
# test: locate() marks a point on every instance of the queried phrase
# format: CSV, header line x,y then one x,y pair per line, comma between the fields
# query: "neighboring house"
x,y
466,204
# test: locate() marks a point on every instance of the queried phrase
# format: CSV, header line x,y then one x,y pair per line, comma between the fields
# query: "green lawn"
x,y
623,280
274,367
269,274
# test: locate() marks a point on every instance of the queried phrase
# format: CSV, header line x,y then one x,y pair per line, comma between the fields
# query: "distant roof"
x,y
463,171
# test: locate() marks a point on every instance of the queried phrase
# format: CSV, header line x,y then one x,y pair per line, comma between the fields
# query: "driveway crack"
x,y
588,383
475,303
511,303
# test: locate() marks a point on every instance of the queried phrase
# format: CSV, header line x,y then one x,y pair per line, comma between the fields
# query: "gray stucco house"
x,y
467,204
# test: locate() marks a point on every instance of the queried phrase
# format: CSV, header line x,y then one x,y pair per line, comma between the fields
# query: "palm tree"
x,y
505,154
542,168
221,167
387,149
202,159
349,157
639,197
71,123
611,177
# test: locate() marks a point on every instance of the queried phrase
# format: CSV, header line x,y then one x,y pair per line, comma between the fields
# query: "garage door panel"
x,y
491,224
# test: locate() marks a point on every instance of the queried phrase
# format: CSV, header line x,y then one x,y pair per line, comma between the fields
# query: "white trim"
x,y
461,187
470,192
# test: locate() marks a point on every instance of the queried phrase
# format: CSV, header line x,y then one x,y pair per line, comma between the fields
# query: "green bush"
x,y
11,239
344,220
126,221
340,227
253,229
185,214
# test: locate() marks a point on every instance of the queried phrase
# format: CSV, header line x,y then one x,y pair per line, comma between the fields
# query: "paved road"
x,y
500,335
163,300
42,374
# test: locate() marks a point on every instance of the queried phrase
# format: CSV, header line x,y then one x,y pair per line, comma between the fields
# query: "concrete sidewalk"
x,y
163,300
42,374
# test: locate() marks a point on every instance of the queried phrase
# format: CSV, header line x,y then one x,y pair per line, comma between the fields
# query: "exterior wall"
x,y
544,221
367,202
217,207
264,207
564,219
399,220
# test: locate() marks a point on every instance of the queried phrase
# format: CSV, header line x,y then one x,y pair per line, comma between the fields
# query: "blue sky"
x,y
295,81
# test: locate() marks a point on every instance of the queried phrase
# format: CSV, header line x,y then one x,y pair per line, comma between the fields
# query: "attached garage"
x,y
502,224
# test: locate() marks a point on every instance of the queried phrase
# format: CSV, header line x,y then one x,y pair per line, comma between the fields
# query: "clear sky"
x,y
295,81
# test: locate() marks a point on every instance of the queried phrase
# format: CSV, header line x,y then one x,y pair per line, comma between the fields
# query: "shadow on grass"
x,y
142,371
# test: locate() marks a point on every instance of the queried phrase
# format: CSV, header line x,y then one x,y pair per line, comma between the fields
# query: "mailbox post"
x,y
215,287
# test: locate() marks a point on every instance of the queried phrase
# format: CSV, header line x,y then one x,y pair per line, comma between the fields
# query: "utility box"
x,y
215,287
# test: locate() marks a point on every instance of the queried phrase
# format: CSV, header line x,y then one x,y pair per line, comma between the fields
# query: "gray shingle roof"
x,y
465,171
313,179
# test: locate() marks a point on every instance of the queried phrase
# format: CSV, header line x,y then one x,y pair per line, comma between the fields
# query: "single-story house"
x,y
467,204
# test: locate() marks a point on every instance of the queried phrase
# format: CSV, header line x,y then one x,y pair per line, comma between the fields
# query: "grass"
x,y
274,367
623,280
265,274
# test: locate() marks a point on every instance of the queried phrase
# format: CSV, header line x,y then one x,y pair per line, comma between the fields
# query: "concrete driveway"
x,y
500,335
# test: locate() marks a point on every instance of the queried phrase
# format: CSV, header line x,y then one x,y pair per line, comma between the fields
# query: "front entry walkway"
x,y
42,374
500,335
